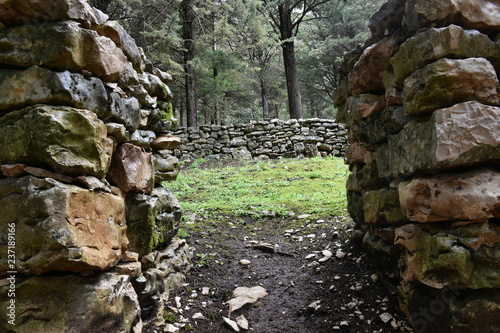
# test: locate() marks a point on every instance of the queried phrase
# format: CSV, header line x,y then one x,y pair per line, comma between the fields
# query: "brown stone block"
x,y
132,169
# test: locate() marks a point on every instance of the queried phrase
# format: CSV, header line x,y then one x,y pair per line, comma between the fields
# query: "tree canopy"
x,y
240,60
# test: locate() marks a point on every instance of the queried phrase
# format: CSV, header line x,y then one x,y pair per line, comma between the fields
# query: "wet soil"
x,y
305,294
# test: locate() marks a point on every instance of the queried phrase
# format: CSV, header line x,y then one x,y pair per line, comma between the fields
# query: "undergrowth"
x,y
264,189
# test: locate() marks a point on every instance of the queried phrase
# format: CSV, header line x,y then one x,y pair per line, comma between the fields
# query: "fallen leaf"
x,y
231,324
242,322
244,295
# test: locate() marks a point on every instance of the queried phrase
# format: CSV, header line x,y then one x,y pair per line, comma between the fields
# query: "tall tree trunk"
x,y
187,35
292,80
264,91
290,63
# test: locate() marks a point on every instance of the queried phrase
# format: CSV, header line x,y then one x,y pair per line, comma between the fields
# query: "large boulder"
x,y
132,169
18,12
450,81
62,46
471,195
66,140
59,227
153,220
462,135
37,85
436,43
463,256
104,303
470,14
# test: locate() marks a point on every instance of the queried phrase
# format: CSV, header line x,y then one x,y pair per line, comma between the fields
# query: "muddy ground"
x,y
307,293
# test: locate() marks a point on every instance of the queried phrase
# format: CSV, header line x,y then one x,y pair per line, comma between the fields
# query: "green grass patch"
x,y
303,186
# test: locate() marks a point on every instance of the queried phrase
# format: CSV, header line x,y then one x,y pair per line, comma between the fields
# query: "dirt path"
x,y
307,293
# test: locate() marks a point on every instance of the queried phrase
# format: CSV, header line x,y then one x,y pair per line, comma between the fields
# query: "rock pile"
x,y
273,139
85,227
421,102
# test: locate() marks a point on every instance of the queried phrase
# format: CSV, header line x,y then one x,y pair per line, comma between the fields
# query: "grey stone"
x,y
62,46
62,139
462,135
75,304
153,220
37,85
449,42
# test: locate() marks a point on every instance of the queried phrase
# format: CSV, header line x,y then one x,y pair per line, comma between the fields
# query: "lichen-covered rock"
x,y
362,107
366,76
66,140
376,130
59,227
436,43
166,167
104,303
37,85
62,46
162,118
385,255
164,271
458,257
355,206
155,87
114,31
123,110
472,195
381,207
132,169
470,14
450,81
18,12
462,135
153,220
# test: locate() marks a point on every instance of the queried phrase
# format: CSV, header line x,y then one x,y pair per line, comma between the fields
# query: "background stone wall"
x,y
274,138
421,102
85,226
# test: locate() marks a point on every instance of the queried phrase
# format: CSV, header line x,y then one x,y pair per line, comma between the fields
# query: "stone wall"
x,y
264,139
421,102
85,226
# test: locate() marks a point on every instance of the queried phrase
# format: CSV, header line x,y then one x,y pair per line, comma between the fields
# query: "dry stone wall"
x,y
264,139
421,103
86,228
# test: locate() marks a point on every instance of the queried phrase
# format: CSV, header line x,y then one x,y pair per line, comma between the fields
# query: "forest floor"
x,y
316,278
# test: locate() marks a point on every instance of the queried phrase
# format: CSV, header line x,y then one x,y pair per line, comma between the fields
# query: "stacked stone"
x,y
85,226
421,103
264,139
